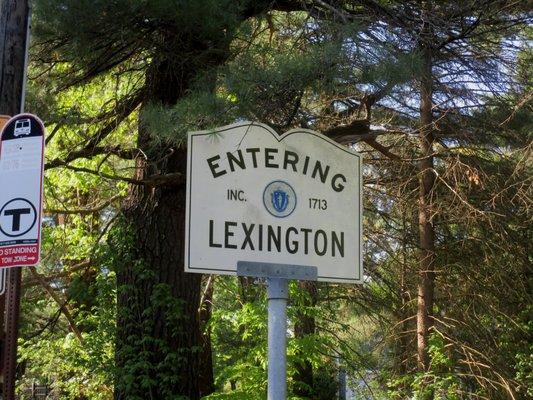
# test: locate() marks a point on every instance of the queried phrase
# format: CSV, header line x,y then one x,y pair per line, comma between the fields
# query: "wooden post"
x,y
3,121
14,29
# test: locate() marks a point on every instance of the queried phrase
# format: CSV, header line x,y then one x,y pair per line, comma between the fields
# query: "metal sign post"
x,y
277,278
278,294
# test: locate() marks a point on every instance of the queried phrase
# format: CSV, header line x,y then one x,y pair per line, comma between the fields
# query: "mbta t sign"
x,y
21,183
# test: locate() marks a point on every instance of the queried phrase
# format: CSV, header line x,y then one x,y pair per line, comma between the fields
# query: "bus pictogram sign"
x,y
21,187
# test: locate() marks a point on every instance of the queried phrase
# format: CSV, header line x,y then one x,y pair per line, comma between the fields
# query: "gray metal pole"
x,y
277,276
278,294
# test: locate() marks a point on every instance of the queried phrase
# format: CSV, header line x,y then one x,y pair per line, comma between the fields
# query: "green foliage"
x,y
239,341
263,83
441,381
312,69
79,211
325,383
517,339
141,372
235,395
199,110
74,369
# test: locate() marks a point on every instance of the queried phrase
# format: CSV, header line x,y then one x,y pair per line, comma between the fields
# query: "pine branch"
x,y
125,154
171,179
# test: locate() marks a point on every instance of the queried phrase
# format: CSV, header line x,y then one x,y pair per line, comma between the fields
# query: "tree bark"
x,y
13,28
158,333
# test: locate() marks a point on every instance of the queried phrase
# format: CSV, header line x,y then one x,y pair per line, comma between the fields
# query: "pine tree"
x,y
465,52
398,79
449,37
163,47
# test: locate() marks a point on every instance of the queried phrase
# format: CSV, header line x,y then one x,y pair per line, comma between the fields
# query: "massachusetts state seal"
x,y
279,199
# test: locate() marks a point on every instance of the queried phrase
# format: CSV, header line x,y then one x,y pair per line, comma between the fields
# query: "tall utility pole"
x,y
14,28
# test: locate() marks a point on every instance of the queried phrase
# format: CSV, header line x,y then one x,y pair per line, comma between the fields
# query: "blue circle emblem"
x,y
279,199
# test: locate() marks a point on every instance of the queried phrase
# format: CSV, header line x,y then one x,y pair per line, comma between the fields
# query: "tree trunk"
x,y
206,377
305,325
13,27
405,341
426,272
158,333
171,337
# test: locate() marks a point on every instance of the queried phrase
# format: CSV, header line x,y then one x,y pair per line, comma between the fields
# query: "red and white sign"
x,y
21,190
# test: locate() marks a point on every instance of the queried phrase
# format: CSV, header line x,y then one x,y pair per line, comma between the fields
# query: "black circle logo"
x,y
17,217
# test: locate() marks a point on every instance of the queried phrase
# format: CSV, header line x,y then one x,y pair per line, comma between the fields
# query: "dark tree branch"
x,y
64,308
91,147
126,154
78,267
84,211
172,179
383,150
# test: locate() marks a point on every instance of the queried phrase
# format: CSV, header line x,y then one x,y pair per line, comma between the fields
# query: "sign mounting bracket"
x,y
271,270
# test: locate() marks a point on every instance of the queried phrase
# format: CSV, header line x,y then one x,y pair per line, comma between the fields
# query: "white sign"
x,y
253,195
21,187
3,281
